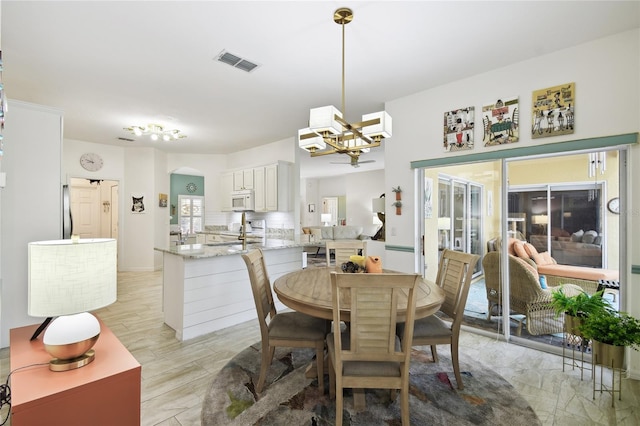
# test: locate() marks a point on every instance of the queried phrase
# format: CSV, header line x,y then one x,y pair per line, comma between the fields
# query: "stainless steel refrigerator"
x,y
67,220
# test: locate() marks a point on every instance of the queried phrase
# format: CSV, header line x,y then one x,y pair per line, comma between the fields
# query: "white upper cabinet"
x,y
243,179
259,189
271,184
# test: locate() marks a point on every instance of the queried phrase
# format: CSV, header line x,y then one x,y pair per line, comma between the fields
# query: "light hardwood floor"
x,y
176,375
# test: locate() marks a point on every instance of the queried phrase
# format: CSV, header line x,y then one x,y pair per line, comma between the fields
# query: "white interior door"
x,y
85,208
330,205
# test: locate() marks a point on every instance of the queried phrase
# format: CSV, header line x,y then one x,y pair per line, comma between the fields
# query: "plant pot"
x,y
572,325
398,211
398,196
608,355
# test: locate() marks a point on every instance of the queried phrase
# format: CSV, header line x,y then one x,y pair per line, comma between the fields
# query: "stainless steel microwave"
x,y
243,200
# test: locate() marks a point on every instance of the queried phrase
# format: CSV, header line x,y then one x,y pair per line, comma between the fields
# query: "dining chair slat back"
x,y
286,329
369,354
343,250
455,271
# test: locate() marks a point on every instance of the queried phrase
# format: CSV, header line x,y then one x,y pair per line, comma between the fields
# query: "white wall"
x,y
603,107
138,229
162,183
269,153
31,202
210,167
357,188
606,74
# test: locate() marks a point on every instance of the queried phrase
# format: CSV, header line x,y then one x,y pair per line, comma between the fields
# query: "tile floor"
x,y
175,375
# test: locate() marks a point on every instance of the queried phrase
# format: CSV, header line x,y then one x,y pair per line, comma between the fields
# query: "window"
x,y
190,213
560,216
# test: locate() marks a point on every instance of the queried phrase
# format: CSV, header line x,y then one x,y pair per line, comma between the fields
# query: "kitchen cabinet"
x,y
271,184
259,186
227,188
243,179
277,187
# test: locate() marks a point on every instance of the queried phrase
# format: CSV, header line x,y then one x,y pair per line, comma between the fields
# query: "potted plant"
x,y
577,307
611,332
398,206
398,192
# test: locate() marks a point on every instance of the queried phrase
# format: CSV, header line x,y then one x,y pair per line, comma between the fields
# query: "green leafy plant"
x,y
613,328
397,204
580,305
396,189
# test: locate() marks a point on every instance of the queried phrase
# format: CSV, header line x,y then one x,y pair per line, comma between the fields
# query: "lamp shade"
x,y
383,129
377,205
67,277
323,120
444,222
540,219
325,217
309,140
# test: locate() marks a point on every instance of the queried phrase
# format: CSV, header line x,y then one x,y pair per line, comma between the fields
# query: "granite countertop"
x,y
201,251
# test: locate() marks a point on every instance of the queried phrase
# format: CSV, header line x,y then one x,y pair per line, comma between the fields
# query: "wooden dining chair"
x,y
284,329
454,277
369,354
343,250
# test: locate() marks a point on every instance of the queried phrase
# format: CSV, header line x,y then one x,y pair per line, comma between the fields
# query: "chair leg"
x,y
320,366
339,401
434,353
332,380
267,357
456,364
404,405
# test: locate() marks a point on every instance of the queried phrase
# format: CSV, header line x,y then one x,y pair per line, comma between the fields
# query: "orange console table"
x,y
105,392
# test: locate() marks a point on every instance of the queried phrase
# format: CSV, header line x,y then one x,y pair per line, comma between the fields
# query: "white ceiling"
x,y
110,65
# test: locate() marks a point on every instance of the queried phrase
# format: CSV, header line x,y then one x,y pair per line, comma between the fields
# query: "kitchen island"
x,y
206,286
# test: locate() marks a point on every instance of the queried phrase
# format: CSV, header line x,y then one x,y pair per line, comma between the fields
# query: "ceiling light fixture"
x,y
155,132
327,125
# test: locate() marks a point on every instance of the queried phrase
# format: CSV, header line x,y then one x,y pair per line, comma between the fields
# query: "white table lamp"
x,y
67,278
326,218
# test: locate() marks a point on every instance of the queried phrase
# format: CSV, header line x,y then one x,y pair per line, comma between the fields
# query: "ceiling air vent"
x,y
236,61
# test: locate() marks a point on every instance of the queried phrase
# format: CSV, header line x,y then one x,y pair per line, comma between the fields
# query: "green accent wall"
x,y
549,148
178,186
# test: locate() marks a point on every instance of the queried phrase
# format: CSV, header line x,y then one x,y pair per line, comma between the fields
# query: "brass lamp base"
x,y
58,364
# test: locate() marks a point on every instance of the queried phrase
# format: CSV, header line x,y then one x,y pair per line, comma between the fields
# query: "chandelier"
x,y
155,132
328,131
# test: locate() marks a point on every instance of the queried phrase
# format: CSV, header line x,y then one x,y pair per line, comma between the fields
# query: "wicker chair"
x,y
526,296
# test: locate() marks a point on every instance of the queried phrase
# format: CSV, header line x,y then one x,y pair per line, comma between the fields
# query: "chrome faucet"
x,y
243,231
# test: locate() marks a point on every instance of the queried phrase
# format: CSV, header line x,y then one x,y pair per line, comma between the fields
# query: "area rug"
x,y
289,398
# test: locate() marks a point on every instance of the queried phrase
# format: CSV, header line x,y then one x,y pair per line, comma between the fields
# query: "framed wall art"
x,y
552,111
137,203
458,129
163,200
500,122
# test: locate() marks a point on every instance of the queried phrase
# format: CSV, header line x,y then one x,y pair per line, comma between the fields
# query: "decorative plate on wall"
x,y
191,187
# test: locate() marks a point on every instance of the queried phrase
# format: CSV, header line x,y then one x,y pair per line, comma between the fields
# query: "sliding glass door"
x,y
555,202
459,215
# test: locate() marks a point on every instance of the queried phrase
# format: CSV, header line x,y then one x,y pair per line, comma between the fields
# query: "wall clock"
x,y
91,161
191,187
614,205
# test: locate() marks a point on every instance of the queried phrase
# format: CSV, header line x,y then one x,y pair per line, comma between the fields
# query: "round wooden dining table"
x,y
309,291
